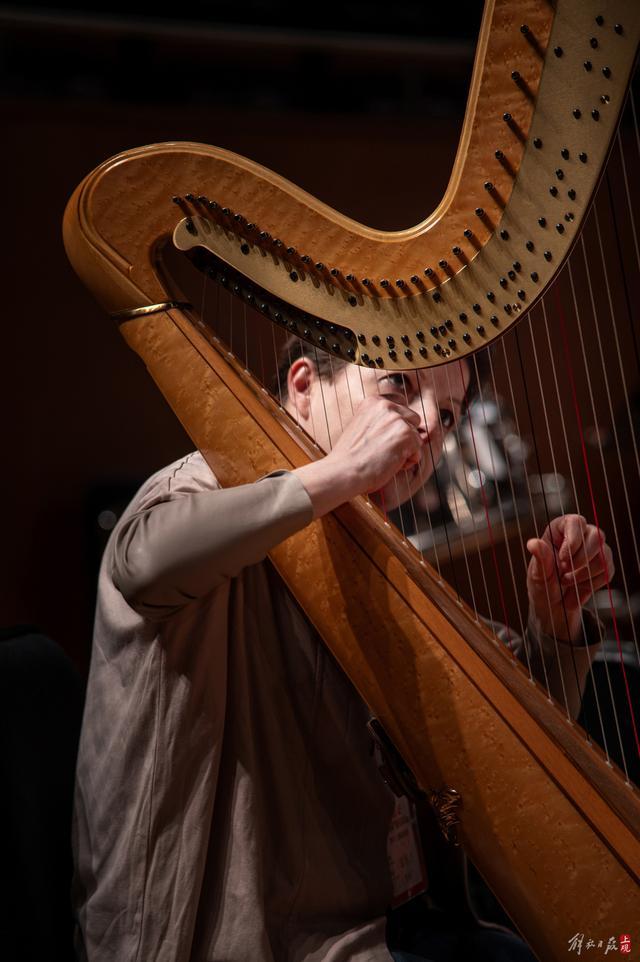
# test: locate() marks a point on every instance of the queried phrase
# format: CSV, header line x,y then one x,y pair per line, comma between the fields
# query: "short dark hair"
x,y
328,366
294,348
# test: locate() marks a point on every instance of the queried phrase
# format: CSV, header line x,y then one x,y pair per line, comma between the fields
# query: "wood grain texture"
x,y
516,248
552,828
557,853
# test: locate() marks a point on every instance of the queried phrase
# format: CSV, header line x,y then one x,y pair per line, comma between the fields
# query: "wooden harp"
x,y
551,823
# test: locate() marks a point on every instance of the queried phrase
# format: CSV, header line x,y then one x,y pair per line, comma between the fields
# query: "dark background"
x,y
359,104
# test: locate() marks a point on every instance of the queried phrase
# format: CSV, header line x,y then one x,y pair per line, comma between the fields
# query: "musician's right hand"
x,y
383,440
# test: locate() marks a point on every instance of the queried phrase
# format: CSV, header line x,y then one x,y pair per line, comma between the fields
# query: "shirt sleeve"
x,y
184,535
563,666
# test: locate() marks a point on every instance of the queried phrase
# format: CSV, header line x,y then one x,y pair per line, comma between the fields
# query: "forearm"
x,y
326,486
562,665
180,549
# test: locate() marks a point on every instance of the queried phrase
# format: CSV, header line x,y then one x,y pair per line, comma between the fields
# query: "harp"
x,y
551,822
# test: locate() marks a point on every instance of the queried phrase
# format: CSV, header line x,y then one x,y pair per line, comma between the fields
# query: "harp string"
x,y
217,310
494,472
324,405
425,501
348,380
367,496
630,206
349,394
635,118
516,508
605,380
261,354
505,534
565,345
571,451
488,521
436,481
406,472
414,517
624,486
514,408
552,454
379,495
246,342
312,415
538,460
616,338
441,500
295,397
456,428
578,508
395,481
623,273
203,299
335,391
277,366
278,332
363,393
276,357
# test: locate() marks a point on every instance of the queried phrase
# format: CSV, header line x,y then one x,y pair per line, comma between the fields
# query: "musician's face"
x,y
323,406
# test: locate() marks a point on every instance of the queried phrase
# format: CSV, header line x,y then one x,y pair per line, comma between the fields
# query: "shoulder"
x,y
188,475
191,467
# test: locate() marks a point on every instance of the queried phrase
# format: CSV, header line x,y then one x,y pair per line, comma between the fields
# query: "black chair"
x,y
41,697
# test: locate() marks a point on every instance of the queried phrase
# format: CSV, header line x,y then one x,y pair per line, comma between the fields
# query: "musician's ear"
x,y
300,378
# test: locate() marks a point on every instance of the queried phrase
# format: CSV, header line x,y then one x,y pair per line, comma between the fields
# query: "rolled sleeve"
x,y
562,665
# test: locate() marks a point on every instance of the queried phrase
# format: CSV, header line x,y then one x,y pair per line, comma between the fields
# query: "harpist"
x,y
228,804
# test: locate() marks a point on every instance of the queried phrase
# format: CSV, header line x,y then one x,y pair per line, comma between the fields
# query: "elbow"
x,y
131,572
152,581
133,569
141,590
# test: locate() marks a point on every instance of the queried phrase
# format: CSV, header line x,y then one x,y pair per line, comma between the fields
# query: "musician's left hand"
x,y
569,563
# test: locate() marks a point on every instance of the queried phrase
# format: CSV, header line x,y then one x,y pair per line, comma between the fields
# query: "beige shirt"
x,y
228,806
